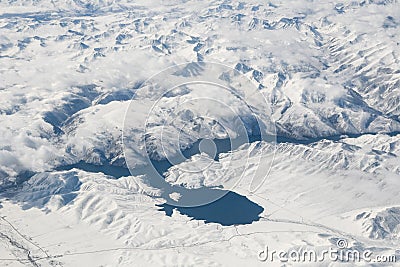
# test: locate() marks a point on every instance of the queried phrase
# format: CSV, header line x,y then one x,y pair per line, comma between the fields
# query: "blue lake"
x,y
220,206
229,208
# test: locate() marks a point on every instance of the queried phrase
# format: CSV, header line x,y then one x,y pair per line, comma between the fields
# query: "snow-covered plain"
x,y
328,71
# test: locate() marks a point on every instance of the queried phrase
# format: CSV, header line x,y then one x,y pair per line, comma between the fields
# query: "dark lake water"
x,y
229,208
213,205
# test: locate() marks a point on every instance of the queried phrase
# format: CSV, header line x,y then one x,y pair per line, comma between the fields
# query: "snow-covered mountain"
x,y
82,115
